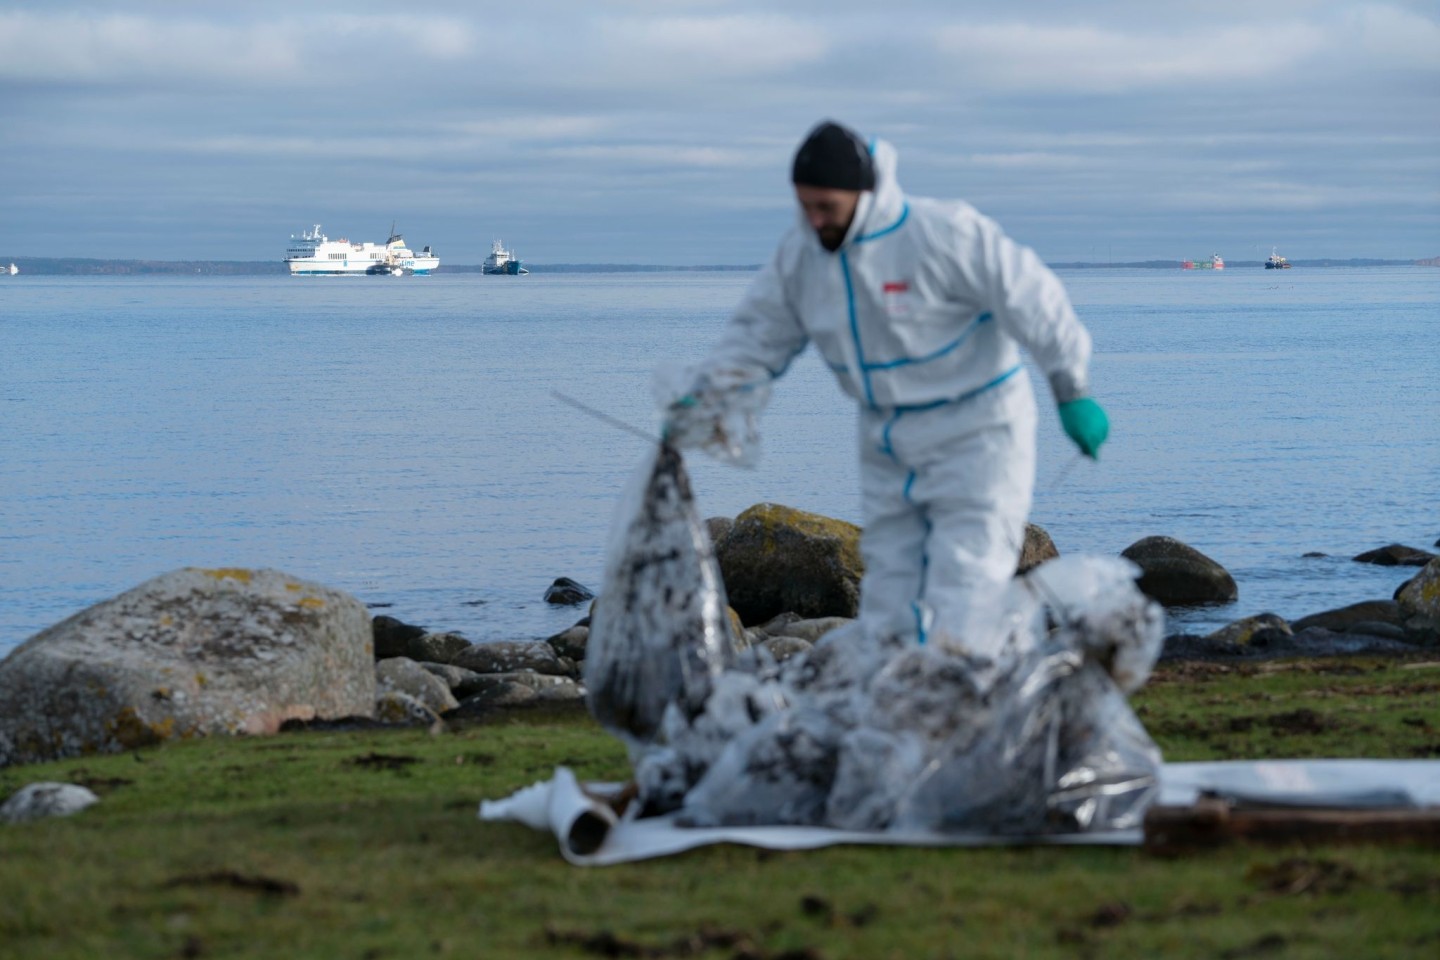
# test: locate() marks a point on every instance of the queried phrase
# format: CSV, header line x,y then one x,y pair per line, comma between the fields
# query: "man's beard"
x,y
831,237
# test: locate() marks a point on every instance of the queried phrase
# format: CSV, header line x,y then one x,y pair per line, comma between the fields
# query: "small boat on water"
x,y
13,270
312,254
502,261
1276,262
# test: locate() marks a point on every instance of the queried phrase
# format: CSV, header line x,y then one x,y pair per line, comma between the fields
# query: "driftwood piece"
x,y
1213,821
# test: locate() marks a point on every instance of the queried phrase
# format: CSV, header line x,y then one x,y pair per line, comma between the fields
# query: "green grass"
x,y
366,845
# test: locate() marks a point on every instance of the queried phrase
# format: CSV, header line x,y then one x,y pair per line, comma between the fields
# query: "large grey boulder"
x,y
777,559
189,653
1395,555
1421,593
1176,574
567,592
1419,600
1341,619
393,637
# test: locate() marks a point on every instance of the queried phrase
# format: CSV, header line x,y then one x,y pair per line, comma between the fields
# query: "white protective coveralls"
x,y
921,313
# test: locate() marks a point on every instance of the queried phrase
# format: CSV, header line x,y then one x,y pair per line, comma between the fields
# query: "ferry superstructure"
x,y
312,254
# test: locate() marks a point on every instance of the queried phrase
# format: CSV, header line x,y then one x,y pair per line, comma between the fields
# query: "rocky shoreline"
x,y
201,652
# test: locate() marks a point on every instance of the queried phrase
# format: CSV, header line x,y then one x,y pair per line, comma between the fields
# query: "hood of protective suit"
x,y
878,208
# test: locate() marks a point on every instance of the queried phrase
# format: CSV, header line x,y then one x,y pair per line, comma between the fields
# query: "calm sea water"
x,y
399,439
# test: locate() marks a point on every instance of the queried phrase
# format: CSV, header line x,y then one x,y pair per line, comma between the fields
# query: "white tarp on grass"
x,y
590,834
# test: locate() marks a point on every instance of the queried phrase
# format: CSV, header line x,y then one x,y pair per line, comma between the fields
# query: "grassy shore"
x,y
366,845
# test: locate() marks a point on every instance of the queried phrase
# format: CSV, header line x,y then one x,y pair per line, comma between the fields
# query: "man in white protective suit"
x,y
920,307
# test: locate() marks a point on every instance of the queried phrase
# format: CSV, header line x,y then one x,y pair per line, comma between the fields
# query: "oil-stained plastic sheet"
x,y
659,632
717,410
869,733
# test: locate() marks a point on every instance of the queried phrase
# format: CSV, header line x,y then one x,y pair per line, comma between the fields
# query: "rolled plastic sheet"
x,y
581,819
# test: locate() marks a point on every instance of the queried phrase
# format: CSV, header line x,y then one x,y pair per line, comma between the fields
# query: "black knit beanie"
x,y
834,156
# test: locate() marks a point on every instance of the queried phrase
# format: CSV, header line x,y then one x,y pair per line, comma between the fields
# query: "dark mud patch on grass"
x,y
742,945
1303,875
383,761
1300,722
251,883
1266,946
99,785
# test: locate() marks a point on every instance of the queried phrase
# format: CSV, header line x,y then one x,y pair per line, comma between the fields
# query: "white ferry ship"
x,y
312,254
502,261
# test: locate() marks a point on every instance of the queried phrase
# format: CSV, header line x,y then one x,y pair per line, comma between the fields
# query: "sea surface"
x,y
400,438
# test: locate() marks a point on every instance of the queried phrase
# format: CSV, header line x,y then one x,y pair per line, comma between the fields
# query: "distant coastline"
x,y
76,266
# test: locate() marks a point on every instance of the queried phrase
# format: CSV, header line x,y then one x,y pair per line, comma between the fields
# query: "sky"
x,y
584,131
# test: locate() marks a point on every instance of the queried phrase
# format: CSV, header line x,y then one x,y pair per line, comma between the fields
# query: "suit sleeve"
x,y
1031,305
763,335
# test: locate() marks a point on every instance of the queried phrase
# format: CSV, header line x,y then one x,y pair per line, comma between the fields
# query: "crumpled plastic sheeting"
x,y
659,631
864,733
716,411
576,814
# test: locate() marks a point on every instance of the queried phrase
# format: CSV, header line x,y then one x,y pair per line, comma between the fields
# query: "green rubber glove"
x,y
1085,423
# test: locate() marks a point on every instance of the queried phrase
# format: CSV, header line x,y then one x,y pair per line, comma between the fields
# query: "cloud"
x,y
1396,38
664,155
75,48
675,49
1028,160
529,127
1092,59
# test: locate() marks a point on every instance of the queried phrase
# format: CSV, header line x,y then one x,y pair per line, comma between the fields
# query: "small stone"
x,y
1243,633
813,630
402,710
1038,548
783,648
46,799
776,625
